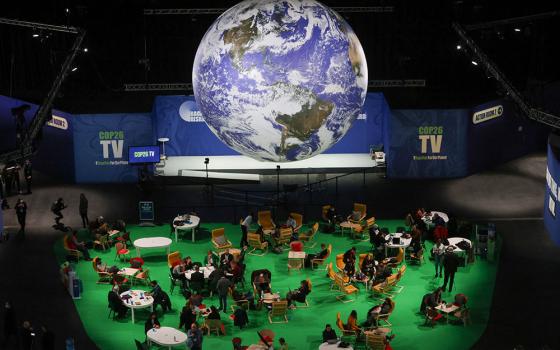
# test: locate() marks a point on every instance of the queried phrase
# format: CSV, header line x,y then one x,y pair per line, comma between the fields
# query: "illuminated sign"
x,y
487,114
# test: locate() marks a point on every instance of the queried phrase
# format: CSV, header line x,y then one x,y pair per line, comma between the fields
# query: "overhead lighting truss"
x,y
217,11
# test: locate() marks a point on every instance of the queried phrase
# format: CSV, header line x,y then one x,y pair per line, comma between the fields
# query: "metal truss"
x,y
513,20
37,25
217,11
492,69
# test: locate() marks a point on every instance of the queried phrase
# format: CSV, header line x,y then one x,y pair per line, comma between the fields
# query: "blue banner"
x,y
427,144
55,145
101,145
552,197
178,118
496,134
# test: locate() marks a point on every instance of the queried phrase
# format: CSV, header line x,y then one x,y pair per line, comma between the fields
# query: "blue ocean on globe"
x,y
280,80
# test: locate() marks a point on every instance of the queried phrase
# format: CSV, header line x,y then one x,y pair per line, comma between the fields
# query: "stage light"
x,y
74,69
67,10
85,49
474,63
458,47
35,35
517,29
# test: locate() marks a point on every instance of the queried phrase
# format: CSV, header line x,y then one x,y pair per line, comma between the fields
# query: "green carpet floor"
x,y
305,324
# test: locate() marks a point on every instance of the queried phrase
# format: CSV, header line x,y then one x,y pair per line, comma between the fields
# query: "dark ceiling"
x,y
415,41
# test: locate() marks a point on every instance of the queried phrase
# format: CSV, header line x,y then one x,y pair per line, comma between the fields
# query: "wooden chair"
x,y
125,238
265,221
213,325
102,242
306,302
255,243
375,341
104,277
363,230
308,236
173,259
295,264
299,221
142,277
279,309
173,282
220,240
362,208
71,252
417,258
399,259
284,237
318,261
432,316
346,333
340,262
121,251
464,315
385,317
396,289
384,288
345,289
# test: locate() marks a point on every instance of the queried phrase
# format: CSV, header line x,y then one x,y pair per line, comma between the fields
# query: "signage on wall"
x,y
189,112
431,140
554,192
58,122
487,114
112,144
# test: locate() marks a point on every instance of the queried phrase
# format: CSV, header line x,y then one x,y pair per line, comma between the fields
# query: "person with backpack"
x,y
57,208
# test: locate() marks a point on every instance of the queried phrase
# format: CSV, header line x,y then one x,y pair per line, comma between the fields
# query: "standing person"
x,y
57,208
27,174
47,341
21,212
194,337
10,326
450,264
84,210
245,225
223,288
437,251
27,336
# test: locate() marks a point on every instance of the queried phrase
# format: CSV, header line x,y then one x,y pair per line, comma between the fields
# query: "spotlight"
x,y
35,35
474,63
85,49
67,10
458,47
517,29
74,69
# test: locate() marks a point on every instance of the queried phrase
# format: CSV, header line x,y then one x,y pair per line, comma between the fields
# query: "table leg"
x,y
168,250
137,252
385,250
192,233
132,314
175,235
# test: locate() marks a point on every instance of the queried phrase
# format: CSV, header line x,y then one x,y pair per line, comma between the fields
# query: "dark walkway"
x,y
524,310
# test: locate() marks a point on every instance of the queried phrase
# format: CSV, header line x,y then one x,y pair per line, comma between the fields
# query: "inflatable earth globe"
x,y
280,80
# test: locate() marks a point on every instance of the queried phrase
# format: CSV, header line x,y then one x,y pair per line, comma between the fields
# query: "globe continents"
x,y
280,80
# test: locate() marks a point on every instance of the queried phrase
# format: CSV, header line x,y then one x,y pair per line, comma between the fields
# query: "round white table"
x,y
188,225
206,270
137,300
327,346
152,242
453,241
167,336
404,242
428,218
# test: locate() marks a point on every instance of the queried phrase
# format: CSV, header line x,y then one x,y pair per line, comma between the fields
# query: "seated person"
x,y
291,222
188,263
152,322
211,259
431,300
368,266
319,255
299,294
262,284
225,259
187,317
438,220
100,266
328,333
214,314
160,297
236,272
382,272
197,279
240,297
352,324
460,300
420,213
116,303
196,299
350,255
349,268
74,243
377,310
178,272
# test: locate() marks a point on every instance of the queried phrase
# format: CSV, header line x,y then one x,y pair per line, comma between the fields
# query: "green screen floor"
x,y
305,324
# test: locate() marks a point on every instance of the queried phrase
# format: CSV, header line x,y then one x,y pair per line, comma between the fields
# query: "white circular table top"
x,y
455,240
138,299
206,270
405,242
348,224
152,242
187,225
327,346
440,214
167,336
269,298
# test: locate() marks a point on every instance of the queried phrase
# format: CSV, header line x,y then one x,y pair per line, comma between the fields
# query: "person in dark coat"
x,y
328,333
214,314
10,326
47,340
116,304
27,174
299,294
84,210
187,317
21,212
152,322
450,264
240,317
197,279
223,289
57,208
27,336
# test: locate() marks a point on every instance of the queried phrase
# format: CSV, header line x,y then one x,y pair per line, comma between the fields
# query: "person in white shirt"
x,y
437,251
245,225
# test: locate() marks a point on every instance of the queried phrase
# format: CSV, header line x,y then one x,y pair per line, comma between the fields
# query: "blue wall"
x,y
55,148
427,143
101,144
552,198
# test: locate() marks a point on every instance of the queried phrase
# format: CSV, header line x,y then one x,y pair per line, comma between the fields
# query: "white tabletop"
x,y
405,242
327,346
270,298
206,270
138,301
128,271
348,224
455,240
167,336
447,309
187,225
296,255
440,214
153,242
